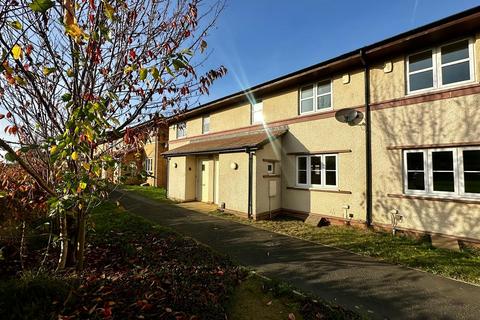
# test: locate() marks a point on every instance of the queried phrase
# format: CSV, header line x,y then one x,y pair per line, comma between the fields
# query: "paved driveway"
x,y
377,289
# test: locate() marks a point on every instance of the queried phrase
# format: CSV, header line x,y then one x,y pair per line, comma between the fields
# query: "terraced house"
x,y
390,131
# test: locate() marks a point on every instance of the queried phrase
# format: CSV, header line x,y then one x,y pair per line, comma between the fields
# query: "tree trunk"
x,y
81,241
62,262
72,241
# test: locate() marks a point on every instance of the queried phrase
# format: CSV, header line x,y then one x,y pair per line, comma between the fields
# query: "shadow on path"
x,y
369,286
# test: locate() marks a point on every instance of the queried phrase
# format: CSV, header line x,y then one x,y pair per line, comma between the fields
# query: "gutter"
x,y
250,183
217,151
368,140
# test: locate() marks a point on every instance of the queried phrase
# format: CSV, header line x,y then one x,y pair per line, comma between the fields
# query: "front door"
x,y
203,180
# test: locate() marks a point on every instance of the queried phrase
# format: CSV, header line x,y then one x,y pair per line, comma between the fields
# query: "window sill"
x,y
315,111
320,190
435,198
440,89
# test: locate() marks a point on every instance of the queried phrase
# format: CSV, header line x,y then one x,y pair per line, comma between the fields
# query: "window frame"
x,y
308,183
437,67
203,124
461,176
253,112
315,97
425,171
184,123
148,166
458,174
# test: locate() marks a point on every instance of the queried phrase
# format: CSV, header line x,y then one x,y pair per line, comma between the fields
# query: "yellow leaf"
x,y
155,73
86,166
74,156
109,10
70,72
82,185
17,52
47,71
74,30
53,149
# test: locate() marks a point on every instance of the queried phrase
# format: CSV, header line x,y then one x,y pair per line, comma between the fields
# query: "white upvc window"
x,y
453,172
317,171
316,97
257,112
448,65
181,130
206,124
148,166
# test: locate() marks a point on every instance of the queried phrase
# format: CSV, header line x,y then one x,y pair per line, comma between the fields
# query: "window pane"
x,y
472,182
306,92
416,181
302,177
316,177
420,61
442,160
324,102
443,181
306,105
257,116
454,52
471,160
315,163
302,163
258,106
330,163
456,72
330,178
323,87
421,80
415,161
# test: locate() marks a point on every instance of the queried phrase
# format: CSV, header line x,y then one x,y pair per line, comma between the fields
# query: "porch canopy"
x,y
237,142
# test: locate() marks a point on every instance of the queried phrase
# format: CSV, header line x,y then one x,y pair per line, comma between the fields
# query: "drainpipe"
x,y
368,140
250,183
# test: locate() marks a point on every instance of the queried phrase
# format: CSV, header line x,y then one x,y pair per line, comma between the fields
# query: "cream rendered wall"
x,y
264,203
438,122
324,135
230,118
283,105
350,94
233,184
392,85
280,106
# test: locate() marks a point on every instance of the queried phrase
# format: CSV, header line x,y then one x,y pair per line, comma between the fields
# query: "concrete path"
x,y
376,289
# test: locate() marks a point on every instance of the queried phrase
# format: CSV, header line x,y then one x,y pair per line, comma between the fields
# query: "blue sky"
x,y
259,40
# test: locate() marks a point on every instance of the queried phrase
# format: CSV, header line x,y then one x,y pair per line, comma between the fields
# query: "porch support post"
x,y
250,183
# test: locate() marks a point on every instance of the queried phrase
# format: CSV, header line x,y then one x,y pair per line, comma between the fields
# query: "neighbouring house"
x,y
145,164
385,135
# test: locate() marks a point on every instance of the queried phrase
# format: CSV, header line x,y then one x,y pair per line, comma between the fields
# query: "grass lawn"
x,y
139,270
158,194
415,253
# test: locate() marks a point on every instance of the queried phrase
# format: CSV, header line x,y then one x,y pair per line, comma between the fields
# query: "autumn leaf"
x,y
82,185
47,71
53,149
203,45
17,52
16,24
74,31
41,5
109,10
143,74
155,73
86,166
74,155
70,72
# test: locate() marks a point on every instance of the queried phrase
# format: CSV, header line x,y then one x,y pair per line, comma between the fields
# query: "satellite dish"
x,y
350,116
